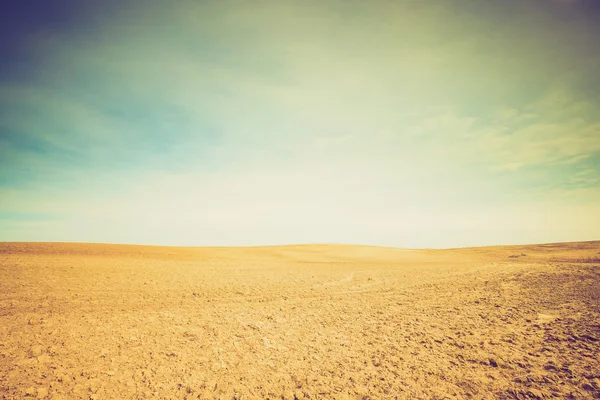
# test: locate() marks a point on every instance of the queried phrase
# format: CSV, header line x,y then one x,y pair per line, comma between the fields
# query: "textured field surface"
x,y
88,321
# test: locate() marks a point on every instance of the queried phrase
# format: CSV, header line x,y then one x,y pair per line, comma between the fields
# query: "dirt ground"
x,y
87,321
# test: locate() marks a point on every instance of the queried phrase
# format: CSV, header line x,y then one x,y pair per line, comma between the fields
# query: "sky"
x,y
442,123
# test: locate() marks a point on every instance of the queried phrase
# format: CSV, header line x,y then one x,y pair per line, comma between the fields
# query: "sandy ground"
x,y
315,321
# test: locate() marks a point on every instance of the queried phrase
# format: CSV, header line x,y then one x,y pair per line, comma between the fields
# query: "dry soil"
x,y
94,321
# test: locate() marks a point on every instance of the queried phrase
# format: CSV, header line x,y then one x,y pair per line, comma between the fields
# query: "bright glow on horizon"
x,y
408,124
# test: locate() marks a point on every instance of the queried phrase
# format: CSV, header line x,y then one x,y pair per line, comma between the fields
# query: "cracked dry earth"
x,y
87,321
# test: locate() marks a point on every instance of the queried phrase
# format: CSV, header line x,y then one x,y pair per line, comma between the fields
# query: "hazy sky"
x,y
402,123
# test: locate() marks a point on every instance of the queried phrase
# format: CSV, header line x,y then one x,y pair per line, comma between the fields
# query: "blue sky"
x,y
409,124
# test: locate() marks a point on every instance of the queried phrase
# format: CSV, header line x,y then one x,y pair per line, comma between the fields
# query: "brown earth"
x,y
92,321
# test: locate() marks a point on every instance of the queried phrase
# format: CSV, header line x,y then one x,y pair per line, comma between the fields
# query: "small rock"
x,y
493,363
30,391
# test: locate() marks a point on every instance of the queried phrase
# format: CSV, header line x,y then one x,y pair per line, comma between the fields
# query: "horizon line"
x,y
304,244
